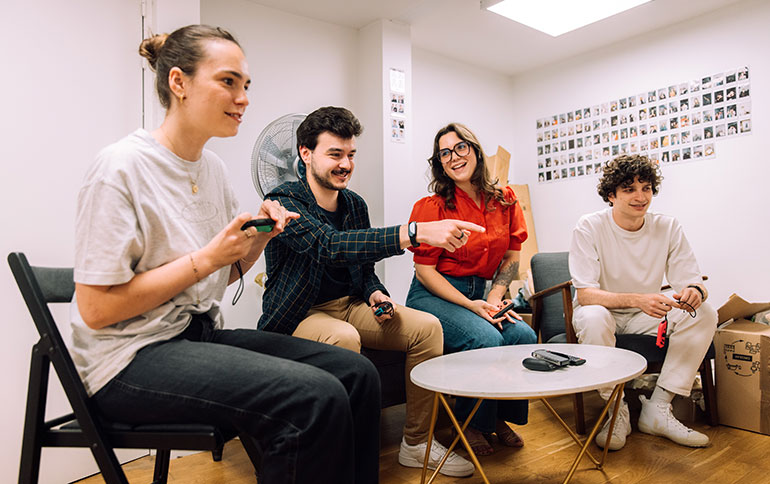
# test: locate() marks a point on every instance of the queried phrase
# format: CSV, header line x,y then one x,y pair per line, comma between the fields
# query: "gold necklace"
x,y
193,182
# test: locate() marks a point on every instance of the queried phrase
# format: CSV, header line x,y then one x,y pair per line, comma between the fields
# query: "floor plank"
x,y
734,456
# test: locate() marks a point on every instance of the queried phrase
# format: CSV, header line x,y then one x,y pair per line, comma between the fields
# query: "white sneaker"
x,y
657,419
414,456
620,431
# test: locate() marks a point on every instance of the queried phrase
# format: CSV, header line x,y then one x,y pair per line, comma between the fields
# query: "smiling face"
x,y
331,163
215,96
630,202
459,168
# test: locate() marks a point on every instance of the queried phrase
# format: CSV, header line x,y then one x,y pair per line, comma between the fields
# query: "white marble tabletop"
x,y
498,373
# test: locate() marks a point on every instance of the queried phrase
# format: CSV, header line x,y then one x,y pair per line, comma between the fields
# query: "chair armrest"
x,y
553,289
566,296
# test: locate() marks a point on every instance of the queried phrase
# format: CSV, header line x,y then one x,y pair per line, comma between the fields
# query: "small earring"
x,y
181,99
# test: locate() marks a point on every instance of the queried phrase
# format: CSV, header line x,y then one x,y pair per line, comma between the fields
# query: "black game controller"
x,y
558,359
503,311
508,307
261,224
385,307
537,364
545,360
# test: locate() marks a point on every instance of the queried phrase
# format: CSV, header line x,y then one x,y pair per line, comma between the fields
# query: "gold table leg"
x,y
460,436
617,395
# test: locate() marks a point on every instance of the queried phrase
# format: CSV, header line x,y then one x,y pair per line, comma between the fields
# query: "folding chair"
x,y
84,427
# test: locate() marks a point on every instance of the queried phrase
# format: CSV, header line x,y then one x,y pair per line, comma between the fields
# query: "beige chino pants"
x,y
349,322
689,338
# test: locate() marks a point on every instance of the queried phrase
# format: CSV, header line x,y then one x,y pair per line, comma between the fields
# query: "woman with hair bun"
x,y
158,239
451,285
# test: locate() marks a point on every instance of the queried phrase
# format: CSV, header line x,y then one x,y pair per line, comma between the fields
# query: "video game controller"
x,y
384,307
537,364
261,224
508,307
558,359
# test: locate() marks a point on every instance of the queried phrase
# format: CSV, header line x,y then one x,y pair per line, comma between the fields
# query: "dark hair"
x,y
444,186
338,121
183,48
623,171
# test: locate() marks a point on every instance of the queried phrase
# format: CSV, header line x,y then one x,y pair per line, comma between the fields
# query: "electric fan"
x,y
274,159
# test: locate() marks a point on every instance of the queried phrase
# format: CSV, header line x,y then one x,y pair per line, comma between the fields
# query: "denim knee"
x,y
484,339
519,334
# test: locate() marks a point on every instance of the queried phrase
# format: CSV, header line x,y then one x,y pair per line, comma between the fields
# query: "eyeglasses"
x,y
460,149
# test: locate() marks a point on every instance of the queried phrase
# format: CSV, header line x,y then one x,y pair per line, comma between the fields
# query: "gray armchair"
x,y
552,321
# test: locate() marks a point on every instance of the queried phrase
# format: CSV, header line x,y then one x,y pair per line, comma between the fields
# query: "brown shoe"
x,y
507,436
477,441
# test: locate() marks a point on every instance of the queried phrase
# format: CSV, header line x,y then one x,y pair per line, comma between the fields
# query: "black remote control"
x,y
261,224
550,357
573,360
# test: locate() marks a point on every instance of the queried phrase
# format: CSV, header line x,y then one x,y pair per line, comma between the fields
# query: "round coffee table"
x,y
498,374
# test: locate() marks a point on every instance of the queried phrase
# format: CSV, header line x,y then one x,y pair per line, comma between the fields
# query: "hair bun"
x,y
150,48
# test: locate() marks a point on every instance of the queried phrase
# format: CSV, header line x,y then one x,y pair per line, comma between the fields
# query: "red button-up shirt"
x,y
482,254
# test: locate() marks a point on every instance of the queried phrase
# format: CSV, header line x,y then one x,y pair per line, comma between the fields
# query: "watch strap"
x,y
411,230
697,288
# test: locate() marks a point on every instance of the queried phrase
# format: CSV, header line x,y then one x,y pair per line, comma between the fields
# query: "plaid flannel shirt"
x,y
296,258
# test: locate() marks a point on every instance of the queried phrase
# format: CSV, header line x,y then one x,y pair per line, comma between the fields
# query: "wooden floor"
x,y
734,456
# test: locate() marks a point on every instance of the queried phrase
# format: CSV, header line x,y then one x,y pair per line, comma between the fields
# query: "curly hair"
x,y
444,186
624,170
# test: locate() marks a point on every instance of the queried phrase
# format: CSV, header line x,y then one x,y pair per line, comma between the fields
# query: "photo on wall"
x,y
677,123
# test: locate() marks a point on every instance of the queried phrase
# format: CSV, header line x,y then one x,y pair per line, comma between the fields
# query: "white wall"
x,y
297,65
71,85
721,202
445,90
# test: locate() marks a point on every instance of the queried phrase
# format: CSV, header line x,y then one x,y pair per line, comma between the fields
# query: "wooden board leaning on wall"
x,y
498,166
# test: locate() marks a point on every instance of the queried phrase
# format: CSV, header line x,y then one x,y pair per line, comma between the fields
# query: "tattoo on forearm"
x,y
507,274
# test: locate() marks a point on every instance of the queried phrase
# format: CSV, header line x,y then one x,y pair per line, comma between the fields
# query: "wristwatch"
x,y
411,229
697,288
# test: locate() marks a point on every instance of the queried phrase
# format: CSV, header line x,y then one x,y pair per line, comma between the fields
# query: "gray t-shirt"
x,y
136,211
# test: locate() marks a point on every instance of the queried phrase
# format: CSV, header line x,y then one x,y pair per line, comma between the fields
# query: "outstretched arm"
x,y
448,234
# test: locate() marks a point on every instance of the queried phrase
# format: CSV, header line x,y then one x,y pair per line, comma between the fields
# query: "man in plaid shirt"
x,y
321,283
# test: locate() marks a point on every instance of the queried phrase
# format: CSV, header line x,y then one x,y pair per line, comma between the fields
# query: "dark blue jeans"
x,y
312,409
465,330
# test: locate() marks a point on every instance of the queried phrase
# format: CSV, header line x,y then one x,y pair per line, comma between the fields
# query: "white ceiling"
x,y
460,29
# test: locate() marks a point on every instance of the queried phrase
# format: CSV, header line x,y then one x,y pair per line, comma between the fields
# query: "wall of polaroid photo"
x,y
700,80
679,123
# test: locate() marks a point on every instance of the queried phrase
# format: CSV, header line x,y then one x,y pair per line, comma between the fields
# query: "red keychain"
x,y
660,342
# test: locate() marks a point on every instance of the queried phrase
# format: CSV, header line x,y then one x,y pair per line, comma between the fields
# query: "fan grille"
x,y
274,159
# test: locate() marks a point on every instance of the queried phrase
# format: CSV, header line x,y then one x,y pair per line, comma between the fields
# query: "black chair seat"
x,y
645,346
391,366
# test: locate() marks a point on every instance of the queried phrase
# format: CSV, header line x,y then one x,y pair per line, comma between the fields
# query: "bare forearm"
x,y
506,273
248,262
611,300
102,306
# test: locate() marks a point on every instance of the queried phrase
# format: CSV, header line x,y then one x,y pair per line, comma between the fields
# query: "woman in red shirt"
x,y
451,285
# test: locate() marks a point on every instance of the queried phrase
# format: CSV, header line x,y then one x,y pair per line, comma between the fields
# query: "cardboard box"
x,y
742,366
